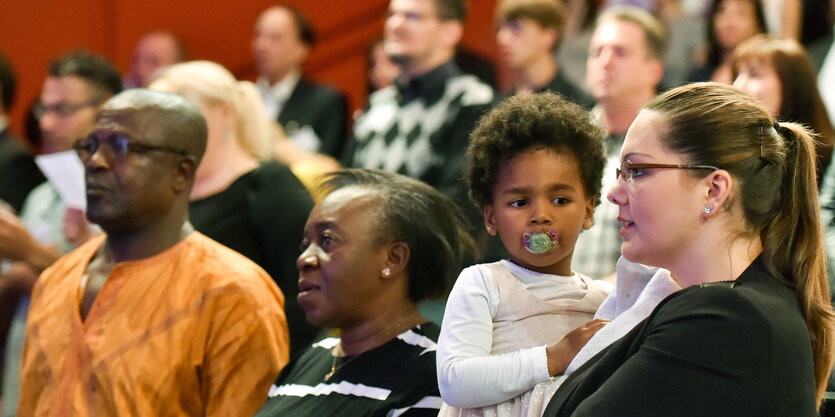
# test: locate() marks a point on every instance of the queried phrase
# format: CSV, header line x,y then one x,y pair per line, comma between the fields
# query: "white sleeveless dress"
x,y
523,321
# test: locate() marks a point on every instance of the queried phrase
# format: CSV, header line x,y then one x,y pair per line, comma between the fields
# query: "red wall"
x,y
33,32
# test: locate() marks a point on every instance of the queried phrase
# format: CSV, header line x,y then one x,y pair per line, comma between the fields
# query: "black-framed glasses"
x,y
629,169
118,146
63,108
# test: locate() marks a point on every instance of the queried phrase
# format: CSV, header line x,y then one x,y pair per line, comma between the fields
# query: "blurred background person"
x,y
826,80
528,34
729,23
18,176
76,86
779,73
241,197
18,172
686,31
573,51
419,126
314,116
381,70
154,50
377,245
784,18
624,68
816,31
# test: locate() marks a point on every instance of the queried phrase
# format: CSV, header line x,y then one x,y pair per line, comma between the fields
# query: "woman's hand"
x,y
563,352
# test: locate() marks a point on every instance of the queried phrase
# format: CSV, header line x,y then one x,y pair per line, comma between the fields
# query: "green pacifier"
x,y
539,243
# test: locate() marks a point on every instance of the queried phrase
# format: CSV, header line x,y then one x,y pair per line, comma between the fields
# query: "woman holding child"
x,y
714,189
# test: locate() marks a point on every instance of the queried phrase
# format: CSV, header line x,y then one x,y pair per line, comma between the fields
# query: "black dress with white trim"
x,y
397,378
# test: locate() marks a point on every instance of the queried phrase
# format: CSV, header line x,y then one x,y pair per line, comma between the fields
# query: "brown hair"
x,y
714,50
304,29
451,10
718,125
800,99
547,13
654,31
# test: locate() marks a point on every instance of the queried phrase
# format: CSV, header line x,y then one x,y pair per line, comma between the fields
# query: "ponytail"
x,y
717,125
793,247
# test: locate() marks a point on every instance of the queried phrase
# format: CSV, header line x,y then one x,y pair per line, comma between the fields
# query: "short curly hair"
x,y
531,122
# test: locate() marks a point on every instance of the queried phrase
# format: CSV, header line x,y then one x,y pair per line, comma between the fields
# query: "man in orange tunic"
x,y
152,318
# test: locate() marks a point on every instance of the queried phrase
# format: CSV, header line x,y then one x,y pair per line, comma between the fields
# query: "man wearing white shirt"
x,y
314,116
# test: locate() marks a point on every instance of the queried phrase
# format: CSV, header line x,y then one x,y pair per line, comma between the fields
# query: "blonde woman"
x,y
241,197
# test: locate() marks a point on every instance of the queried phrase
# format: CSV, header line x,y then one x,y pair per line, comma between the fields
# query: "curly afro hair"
x,y
531,122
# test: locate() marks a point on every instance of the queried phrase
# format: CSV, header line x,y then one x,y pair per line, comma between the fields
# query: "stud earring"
x,y
708,209
386,272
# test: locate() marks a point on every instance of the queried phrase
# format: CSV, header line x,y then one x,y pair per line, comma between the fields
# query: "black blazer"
x,y
18,172
716,350
320,107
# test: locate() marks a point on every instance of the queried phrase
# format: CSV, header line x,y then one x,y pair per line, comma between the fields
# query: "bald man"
x,y
154,50
151,318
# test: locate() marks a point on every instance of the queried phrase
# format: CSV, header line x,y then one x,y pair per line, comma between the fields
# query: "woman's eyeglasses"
x,y
629,169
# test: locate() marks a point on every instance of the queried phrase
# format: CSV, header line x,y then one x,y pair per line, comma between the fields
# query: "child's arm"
x,y
468,376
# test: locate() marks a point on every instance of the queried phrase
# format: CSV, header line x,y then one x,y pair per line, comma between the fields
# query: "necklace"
x,y
385,335
335,368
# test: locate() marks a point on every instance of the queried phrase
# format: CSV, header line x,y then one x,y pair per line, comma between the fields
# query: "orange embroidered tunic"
x,y
197,330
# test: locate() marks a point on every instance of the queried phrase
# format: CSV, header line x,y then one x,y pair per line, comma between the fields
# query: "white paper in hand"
x,y
66,173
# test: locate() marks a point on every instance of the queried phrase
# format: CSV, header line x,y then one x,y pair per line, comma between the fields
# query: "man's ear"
x,y
551,39
656,70
184,175
304,54
451,33
490,220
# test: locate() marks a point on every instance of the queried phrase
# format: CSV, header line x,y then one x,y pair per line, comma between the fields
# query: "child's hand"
x,y
563,352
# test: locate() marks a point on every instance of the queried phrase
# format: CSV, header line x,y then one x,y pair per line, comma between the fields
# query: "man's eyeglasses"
x,y
629,169
63,108
118,146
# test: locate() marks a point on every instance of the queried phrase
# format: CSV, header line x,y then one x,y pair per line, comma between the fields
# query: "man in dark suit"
x,y
314,116
18,173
